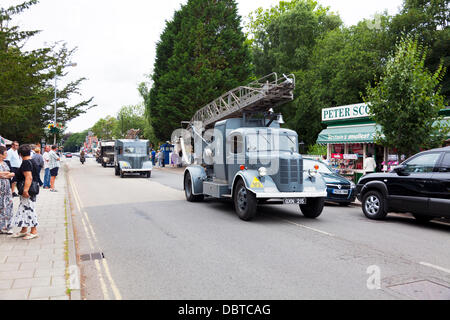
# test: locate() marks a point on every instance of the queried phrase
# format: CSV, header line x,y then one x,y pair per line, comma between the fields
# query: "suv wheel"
x,y
313,207
374,205
245,202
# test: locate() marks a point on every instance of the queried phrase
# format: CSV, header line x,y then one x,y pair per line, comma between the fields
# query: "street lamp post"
x,y
56,77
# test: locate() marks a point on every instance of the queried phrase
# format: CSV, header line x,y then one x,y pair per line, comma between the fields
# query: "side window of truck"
x,y
237,144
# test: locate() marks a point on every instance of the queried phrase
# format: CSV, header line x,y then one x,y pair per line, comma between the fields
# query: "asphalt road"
x,y
159,246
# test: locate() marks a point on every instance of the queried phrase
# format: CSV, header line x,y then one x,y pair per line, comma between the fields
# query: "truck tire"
x,y
313,207
188,190
149,174
116,170
245,202
374,205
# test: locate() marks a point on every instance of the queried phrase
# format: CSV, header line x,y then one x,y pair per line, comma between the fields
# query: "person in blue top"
x,y
153,157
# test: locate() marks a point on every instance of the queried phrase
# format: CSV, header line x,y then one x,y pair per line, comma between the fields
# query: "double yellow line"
x,y
93,242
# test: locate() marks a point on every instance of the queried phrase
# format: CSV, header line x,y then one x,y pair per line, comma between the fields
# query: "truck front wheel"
x,y
245,202
188,189
313,207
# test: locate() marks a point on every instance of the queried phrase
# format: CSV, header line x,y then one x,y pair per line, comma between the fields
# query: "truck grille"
x,y
289,171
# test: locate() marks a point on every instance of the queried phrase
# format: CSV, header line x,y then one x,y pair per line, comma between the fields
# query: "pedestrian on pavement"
x,y
46,157
369,164
26,216
15,162
39,162
54,167
6,198
153,157
158,156
163,159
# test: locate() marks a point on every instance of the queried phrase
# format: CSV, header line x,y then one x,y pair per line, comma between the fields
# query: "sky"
x,y
116,41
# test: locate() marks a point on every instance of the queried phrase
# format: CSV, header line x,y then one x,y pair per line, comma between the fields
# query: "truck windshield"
x,y
268,142
134,150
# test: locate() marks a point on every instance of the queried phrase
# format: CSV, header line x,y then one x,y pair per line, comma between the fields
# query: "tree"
x,y
201,55
133,117
429,21
284,36
104,128
341,65
74,141
26,82
406,101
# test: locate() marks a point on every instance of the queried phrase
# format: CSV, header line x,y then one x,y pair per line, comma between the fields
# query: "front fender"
x,y
123,165
147,165
198,175
261,184
374,185
314,184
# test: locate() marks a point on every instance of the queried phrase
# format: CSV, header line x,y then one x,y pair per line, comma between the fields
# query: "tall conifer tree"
x,y
201,55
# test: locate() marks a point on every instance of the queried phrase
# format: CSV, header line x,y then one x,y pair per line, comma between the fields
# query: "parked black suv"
x,y
420,185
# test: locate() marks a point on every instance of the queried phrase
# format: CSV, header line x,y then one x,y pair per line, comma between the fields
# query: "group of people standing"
x,y
20,169
160,158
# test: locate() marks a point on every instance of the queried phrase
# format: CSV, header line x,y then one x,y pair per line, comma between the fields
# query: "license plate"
x,y
337,191
295,201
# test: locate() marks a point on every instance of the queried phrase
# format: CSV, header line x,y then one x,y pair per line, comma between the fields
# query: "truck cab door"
x,y
235,155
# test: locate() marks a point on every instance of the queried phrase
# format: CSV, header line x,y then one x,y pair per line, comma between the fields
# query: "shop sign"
x,y
351,156
353,137
360,110
337,156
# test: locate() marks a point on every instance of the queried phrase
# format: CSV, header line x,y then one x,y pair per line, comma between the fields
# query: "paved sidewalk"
x,y
36,269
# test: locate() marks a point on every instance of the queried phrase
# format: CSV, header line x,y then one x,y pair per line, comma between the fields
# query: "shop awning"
x,y
349,134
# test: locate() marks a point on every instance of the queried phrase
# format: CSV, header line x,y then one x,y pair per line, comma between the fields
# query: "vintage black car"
x,y
420,185
339,189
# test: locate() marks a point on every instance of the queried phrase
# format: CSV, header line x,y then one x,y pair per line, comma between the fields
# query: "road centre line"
x,y
112,283
309,228
435,267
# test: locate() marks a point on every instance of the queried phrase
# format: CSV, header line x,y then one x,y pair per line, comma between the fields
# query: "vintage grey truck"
x,y
247,156
132,156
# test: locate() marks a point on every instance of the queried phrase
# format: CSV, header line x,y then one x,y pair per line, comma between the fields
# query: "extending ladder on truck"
x,y
258,96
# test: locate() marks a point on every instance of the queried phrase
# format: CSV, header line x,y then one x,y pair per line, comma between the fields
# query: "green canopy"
x,y
349,134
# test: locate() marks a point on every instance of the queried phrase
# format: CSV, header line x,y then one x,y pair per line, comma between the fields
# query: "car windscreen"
x,y
309,164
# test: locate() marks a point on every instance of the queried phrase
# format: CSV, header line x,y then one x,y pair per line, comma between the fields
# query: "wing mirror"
x,y
400,170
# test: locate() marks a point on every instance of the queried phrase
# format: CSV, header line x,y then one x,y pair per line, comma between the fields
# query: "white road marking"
x,y
309,228
435,267
112,283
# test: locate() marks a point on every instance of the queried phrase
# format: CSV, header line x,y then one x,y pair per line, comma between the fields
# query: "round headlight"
x,y
262,171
